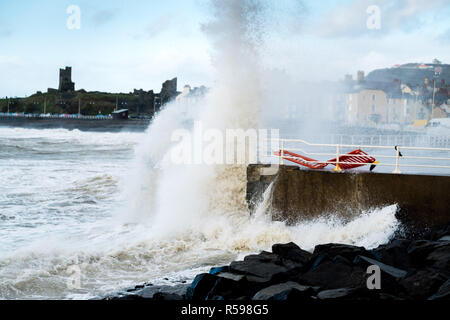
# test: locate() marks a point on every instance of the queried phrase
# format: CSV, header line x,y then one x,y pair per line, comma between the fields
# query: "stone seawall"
x,y
423,200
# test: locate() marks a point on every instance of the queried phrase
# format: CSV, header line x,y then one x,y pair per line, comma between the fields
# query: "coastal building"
x,y
191,95
373,107
369,102
367,106
120,114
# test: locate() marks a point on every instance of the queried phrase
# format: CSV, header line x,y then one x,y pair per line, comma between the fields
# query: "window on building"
x,y
373,97
373,108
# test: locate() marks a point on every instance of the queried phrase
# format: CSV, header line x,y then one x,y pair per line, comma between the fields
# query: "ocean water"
x,y
66,210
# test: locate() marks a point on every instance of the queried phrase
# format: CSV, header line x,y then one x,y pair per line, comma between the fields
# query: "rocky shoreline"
x,y
409,269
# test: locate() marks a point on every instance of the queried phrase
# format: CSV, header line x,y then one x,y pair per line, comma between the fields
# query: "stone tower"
x,y
65,80
168,91
360,76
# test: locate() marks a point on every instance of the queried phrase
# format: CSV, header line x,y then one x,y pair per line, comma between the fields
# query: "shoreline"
x,y
98,125
93,124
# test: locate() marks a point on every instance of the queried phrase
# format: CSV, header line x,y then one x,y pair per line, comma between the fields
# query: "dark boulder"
x,y
334,273
208,287
268,268
337,249
152,292
285,291
440,258
232,276
318,259
254,267
290,251
164,296
422,284
395,254
257,283
228,289
251,283
147,293
420,249
201,286
389,275
345,294
392,271
264,257
443,292
130,297
216,270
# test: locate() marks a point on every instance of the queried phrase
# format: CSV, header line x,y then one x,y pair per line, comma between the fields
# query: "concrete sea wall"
x,y
423,200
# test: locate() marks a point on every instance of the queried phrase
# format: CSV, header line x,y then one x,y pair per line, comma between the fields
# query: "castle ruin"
x,y
65,80
168,91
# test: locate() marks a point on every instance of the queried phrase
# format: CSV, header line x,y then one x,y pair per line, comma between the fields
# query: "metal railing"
x,y
403,139
404,156
21,115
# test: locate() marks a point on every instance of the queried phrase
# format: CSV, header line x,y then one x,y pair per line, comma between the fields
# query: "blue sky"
x,y
123,45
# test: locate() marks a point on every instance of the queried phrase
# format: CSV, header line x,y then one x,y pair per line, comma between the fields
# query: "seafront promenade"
x,y
71,122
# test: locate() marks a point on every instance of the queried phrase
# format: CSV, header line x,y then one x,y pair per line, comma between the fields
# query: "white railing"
x,y
53,116
411,139
403,156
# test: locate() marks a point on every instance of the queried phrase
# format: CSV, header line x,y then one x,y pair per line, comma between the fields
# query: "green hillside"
x,y
410,74
90,103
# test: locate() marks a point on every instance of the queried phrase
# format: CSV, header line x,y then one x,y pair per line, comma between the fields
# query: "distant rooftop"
x,y
120,111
